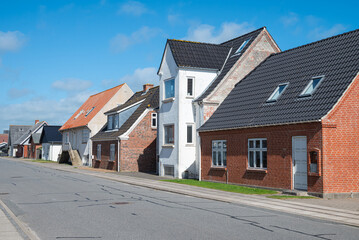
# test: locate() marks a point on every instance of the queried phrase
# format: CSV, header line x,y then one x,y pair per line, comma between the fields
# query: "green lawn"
x,y
222,186
43,161
290,197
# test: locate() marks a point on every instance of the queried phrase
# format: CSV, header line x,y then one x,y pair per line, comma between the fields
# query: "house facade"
x,y
194,80
15,132
87,121
127,142
291,123
51,141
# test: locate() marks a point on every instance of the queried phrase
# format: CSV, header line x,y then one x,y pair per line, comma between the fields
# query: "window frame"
x,y
154,118
188,95
165,135
254,149
98,152
165,91
304,94
271,99
239,50
112,153
223,154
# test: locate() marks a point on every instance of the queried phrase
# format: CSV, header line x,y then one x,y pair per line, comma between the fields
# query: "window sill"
x,y
190,145
168,146
257,170
171,99
314,174
218,168
99,160
190,97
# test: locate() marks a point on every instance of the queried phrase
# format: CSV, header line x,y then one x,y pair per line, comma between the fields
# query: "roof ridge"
x,y
107,90
187,41
243,35
316,42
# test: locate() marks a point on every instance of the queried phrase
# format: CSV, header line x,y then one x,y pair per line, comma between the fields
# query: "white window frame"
x,y
271,98
304,92
174,88
219,151
85,135
112,152
98,153
255,150
192,135
187,93
154,119
239,50
165,132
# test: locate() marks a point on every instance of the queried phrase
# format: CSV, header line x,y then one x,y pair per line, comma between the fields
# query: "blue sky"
x,y
55,54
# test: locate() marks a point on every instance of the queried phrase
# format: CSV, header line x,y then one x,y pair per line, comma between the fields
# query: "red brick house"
x,y
128,140
292,123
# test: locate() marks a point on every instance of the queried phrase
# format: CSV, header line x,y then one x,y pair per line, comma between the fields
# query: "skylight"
x,y
78,114
311,87
89,111
242,46
277,92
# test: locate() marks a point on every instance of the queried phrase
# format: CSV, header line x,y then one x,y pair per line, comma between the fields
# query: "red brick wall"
x,y
341,144
32,149
138,153
105,155
279,155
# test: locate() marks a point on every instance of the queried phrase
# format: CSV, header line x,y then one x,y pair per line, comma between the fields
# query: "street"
x,y
63,205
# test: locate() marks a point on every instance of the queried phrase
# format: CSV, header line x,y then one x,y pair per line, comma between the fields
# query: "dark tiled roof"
x,y
150,100
16,131
235,44
51,134
29,132
198,55
337,58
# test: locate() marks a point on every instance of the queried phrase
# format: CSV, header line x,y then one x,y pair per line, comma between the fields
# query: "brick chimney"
x,y
37,121
147,86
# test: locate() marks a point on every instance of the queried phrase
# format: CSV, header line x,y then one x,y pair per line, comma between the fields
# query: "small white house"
x,y
51,141
191,71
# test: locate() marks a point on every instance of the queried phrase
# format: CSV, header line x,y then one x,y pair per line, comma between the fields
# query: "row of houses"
x,y
241,112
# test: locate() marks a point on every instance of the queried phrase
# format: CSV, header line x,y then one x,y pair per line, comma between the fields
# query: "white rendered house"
x,y
194,80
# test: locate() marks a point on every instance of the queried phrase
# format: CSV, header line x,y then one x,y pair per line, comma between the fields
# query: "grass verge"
x,y
42,161
290,197
222,186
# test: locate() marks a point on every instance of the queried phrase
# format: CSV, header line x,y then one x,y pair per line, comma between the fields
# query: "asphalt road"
x,y
62,205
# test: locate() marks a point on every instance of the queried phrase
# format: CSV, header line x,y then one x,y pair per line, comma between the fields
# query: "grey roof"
x,y
335,58
16,131
36,137
150,100
198,55
29,132
51,134
235,44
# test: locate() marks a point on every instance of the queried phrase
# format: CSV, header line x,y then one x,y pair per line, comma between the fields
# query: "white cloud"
x,y
141,76
208,33
321,32
72,84
133,8
11,41
289,20
174,18
121,41
18,93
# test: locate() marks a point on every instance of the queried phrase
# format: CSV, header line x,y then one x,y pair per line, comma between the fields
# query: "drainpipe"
x,y
226,175
118,156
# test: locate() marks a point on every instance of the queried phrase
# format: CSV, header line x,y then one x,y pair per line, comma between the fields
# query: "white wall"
x,y
75,139
50,151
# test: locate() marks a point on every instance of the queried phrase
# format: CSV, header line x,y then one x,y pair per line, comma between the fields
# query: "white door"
x,y
299,156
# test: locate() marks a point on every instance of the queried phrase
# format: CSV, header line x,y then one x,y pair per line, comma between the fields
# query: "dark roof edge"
x,y
257,126
243,35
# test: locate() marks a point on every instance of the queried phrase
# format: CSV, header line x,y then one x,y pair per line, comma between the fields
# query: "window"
x,y
110,122
242,46
311,87
189,133
89,111
112,152
277,92
189,87
219,153
126,113
154,120
170,88
98,155
85,135
257,153
169,134
67,137
115,121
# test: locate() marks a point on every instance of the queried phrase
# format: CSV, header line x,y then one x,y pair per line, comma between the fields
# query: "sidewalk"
x,y
7,229
344,210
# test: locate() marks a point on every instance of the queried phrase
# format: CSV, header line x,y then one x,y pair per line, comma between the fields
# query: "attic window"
x,y
89,111
242,46
277,92
78,114
311,87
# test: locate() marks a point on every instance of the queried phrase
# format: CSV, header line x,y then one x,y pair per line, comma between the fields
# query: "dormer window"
x,y
277,92
112,122
241,47
311,87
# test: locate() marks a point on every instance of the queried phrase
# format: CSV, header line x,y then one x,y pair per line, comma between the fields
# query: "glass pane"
x,y
169,88
225,144
264,159
219,158
214,158
189,87
115,125
251,159
258,159
214,144
219,144
264,143
315,82
189,134
110,122
251,144
224,158
258,143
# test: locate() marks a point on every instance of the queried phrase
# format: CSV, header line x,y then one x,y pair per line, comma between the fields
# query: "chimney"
x,y
37,121
147,86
